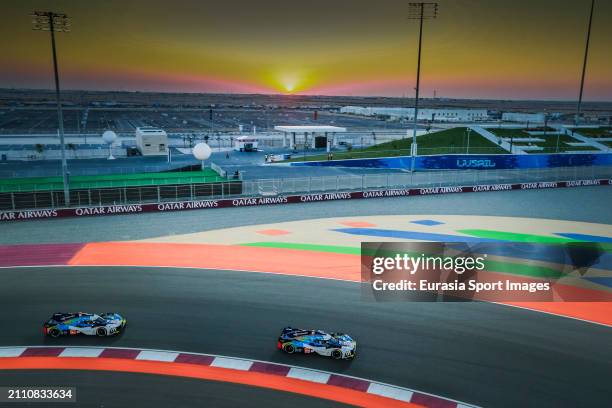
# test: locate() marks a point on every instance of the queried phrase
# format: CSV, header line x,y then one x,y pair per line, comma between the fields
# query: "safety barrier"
x,y
286,199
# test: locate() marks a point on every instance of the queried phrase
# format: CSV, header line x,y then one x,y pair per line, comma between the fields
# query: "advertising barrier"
x,y
281,199
473,161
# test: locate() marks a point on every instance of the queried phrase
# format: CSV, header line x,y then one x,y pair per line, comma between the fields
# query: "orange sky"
x,y
475,49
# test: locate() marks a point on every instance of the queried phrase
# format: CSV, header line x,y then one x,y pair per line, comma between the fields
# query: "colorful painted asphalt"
x,y
330,248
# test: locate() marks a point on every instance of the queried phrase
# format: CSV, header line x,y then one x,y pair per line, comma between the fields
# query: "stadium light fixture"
x,y
55,22
584,63
419,11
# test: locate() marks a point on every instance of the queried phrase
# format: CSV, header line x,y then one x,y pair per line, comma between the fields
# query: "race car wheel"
x,y
288,348
54,333
336,354
101,331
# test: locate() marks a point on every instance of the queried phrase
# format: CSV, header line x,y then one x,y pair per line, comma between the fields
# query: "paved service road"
x,y
486,354
113,389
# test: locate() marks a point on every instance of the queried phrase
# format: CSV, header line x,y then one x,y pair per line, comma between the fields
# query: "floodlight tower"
x,y
52,22
419,11
584,63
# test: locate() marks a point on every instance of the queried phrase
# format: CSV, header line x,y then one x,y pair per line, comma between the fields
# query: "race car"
x,y
335,345
105,324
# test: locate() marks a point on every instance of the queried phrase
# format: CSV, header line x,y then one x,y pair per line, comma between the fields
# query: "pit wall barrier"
x,y
7,216
473,161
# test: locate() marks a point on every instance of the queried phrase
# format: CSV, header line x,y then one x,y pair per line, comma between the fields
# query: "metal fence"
x,y
388,180
300,185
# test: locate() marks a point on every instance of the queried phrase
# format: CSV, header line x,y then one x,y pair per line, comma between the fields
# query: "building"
x,y
434,115
523,117
245,144
151,141
315,136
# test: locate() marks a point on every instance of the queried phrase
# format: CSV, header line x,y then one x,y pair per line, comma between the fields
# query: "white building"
x,y
151,141
316,136
245,144
523,117
439,115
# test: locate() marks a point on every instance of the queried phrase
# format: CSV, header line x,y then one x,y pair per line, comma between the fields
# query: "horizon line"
x,y
302,95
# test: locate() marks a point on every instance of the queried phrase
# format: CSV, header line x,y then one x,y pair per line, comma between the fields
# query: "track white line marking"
x,y
390,392
157,356
11,351
308,375
233,363
81,352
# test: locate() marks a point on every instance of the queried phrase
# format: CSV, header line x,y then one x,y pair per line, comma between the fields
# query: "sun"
x,y
289,88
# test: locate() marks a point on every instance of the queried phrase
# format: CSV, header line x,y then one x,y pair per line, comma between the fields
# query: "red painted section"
x,y
208,256
38,255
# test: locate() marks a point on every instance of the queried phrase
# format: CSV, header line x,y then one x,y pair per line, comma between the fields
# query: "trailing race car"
x,y
105,324
334,345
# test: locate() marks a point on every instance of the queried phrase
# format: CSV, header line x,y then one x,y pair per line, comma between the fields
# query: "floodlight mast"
x,y
419,11
584,63
52,22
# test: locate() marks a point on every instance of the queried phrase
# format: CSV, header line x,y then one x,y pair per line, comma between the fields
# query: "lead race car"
x,y
105,324
335,345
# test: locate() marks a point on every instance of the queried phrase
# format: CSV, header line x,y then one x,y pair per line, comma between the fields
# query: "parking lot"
x,y
95,120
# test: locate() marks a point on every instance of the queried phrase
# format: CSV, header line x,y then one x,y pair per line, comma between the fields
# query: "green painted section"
x,y
534,271
110,180
515,236
533,238
308,247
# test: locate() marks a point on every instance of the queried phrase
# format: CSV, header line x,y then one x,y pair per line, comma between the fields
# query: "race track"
x,y
480,353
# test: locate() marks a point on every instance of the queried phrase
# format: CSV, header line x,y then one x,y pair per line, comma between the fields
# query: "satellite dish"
x,y
109,137
201,151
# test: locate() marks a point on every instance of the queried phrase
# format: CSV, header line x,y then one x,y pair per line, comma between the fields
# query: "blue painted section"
x,y
429,223
414,235
472,161
574,257
605,281
584,237
571,255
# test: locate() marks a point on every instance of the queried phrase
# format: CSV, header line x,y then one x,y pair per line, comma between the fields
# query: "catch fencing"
x,y
287,186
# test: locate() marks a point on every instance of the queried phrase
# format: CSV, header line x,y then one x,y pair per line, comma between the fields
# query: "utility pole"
x,y
419,11
584,63
52,22
467,150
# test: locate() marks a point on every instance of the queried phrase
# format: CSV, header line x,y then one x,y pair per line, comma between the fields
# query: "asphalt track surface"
x,y
587,204
480,353
113,389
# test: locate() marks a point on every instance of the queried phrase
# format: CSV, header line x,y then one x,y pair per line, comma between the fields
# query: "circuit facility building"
x,y
434,115
151,141
313,136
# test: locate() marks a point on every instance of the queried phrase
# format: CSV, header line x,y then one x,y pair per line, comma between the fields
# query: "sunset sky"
x,y
497,49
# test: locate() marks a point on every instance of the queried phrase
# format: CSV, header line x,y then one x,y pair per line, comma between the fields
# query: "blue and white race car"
x,y
335,345
70,324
